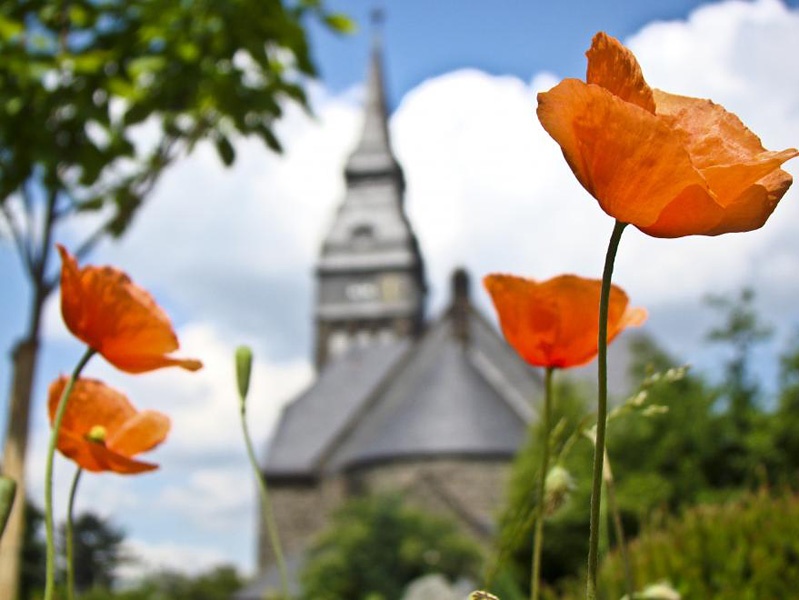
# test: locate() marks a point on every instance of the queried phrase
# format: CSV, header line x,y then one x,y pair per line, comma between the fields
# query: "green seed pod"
x,y
558,486
482,596
657,591
8,489
243,370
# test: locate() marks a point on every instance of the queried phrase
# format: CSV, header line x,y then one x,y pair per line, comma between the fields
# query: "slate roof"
x,y
450,398
321,414
436,396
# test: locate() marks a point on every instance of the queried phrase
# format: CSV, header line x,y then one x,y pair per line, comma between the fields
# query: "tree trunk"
x,y
24,357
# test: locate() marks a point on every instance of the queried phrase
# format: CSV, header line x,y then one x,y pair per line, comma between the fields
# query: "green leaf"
x,y
146,64
9,28
341,23
137,113
90,62
225,150
78,15
271,140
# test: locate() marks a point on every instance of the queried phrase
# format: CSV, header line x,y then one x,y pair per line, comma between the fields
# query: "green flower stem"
x,y
266,503
70,536
613,506
602,410
49,586
538,542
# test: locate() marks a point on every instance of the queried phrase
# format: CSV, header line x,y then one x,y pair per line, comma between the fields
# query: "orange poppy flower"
x,y
103,308
670,165
555,323
101,431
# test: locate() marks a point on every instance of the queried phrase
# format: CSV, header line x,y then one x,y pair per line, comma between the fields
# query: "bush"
x,y
375,546
746,549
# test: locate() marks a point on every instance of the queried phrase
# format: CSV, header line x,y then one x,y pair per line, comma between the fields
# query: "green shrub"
x,y
747,549
375,546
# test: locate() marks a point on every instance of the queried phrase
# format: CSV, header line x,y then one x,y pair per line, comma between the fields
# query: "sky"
x,y
230,252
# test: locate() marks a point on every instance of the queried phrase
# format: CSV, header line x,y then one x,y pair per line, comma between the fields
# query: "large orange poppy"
x,y
102,431
103,308
670,165
555,323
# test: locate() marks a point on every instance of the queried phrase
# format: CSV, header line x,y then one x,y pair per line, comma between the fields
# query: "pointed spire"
x,y
373,152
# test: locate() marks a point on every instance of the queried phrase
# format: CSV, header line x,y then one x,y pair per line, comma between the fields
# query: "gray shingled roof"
x,y
312,422
449,399
436,396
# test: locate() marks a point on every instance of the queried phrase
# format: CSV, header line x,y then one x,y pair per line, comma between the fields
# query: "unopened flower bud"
x,y
243,370
658,591
557,487
482,596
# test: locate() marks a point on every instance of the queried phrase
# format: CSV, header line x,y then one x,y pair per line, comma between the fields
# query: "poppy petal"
x,y
555,323
691,168
91,403
578,307
616,69
77,449
523,310
106,310
131,362
627,158
752,209
142,432
111,461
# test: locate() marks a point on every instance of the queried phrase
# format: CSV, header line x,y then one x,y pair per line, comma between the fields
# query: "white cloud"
x,y
147,557
489,189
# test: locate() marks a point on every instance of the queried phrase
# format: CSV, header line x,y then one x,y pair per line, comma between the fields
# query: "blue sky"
x,y
487,189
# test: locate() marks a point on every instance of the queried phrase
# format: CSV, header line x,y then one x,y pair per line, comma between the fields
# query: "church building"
x,y
435,409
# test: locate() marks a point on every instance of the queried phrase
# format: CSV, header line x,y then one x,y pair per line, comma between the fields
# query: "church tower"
x,y
370,275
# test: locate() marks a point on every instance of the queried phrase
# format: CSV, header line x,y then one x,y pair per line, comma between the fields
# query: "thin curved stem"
x,y
618,526
266,504
70,539
535,583
49,586
602,410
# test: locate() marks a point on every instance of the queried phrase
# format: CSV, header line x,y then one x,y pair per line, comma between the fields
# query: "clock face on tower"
x,y
362,291
388,288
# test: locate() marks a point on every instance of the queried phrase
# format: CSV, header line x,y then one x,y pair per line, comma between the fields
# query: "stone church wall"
x,y
301,510
468,491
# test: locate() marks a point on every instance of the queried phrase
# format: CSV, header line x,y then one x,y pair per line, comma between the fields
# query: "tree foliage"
x,y
375,546
79,78
218,583
746,548
97,547
34,550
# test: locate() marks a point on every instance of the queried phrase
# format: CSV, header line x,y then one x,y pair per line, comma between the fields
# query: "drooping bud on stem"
x,y
558,486
243,370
